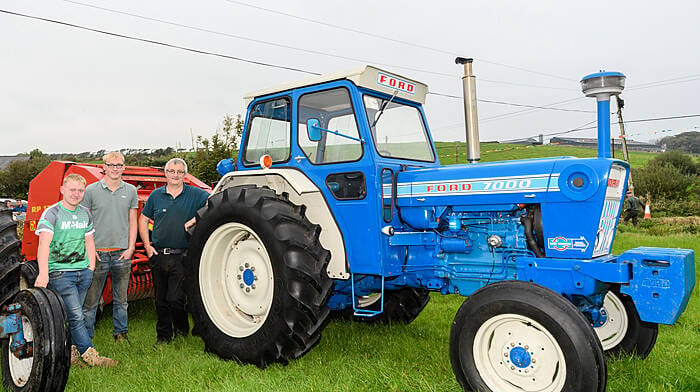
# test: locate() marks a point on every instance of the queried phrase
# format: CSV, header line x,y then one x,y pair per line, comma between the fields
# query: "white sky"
x,y
69,90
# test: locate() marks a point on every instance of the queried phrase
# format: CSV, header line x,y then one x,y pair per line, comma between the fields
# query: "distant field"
x,y
491,152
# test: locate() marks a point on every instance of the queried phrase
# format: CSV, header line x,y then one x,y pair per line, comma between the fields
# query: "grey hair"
x,y
178,161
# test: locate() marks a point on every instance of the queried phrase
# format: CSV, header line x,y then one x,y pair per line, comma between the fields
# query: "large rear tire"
x,y
45,325
517,336
260,287
9,258
623,332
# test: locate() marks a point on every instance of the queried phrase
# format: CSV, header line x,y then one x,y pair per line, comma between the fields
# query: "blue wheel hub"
x,y
248,277
520,357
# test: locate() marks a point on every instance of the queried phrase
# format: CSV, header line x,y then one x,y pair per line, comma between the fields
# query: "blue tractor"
x,y
338,203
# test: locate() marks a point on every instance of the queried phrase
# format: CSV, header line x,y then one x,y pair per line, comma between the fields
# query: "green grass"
x,y
359,357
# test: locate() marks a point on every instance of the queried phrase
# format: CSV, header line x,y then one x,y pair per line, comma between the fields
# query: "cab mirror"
x,y
313,128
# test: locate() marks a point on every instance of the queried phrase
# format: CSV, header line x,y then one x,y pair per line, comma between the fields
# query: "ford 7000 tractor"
x,y
338,202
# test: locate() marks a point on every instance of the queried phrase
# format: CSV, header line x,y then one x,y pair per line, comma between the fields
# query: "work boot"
x,y
75,360
121,338
93,358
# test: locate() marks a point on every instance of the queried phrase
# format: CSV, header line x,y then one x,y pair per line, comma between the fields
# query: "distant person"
x,y
19,212
66,258
114,207
172,208
7,206
633,208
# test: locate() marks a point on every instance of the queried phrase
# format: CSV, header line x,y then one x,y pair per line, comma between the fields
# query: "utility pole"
x,y
625,153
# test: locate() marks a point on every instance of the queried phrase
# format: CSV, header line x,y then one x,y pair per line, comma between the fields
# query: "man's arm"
x,y
132,235
42,257
90,250
143,231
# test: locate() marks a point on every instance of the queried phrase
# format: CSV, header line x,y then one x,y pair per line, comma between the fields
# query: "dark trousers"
x,y
169,281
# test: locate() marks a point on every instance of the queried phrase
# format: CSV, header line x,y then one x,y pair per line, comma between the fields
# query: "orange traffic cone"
x,y
647,211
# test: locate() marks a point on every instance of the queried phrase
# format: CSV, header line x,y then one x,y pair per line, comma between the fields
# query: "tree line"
x,y
202,161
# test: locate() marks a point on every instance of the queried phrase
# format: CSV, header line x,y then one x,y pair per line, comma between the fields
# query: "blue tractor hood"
x,y
579,198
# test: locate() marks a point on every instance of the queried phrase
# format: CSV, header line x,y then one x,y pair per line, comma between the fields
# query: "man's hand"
x,y
42,280
126,255
190,223
151,251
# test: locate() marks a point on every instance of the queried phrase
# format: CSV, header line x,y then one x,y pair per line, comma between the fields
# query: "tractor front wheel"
x,y
45,327
516,336
260,287
623,332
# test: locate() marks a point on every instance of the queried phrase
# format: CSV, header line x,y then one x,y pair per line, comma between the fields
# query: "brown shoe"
x,y
93,358
121,338
75,359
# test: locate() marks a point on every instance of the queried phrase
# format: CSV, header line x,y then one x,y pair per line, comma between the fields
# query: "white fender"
x,y
301,191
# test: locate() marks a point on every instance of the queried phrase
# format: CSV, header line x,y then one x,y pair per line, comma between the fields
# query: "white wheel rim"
x,y
613,331
515,353
236,280
21,369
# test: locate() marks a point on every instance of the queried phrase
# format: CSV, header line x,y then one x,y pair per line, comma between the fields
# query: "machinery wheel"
x,y
624,333
30,270
400,306
9,258
44,324
517,336
260,289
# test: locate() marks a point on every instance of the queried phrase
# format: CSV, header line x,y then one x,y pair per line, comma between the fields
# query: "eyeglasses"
x,y
114,165
171,171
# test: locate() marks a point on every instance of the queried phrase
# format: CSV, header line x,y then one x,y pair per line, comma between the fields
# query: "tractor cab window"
x,y
269,131
397,129
337,134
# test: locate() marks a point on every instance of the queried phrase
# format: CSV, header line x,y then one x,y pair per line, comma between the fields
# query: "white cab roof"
x,y
368,76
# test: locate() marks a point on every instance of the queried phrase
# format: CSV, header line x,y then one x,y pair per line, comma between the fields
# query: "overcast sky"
x,y
71,90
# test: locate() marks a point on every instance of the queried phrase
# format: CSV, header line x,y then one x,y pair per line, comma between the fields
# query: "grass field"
x,y
360,357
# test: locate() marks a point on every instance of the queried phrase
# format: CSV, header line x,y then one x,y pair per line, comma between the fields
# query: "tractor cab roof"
x,y
368,77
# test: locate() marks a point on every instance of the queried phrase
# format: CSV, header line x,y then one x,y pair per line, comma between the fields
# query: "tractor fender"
x,y
301,191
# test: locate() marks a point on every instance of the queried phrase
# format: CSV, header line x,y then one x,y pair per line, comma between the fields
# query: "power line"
x,y
244,38
197,50
321,53
161,43
368,34
515,104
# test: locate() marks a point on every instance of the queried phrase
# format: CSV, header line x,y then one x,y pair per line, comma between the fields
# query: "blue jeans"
x,y
121,271
72,287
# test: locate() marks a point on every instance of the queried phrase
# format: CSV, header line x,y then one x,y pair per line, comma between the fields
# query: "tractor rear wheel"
x,y
517,336
9,258
623,332
260,289
45,326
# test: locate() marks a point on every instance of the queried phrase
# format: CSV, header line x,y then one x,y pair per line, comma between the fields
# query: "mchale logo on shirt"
x,y
395,83
73,225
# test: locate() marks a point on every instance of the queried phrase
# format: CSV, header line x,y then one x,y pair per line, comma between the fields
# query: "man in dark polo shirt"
x,y
172,208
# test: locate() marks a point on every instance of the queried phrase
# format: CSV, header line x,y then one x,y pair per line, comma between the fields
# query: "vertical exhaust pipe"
x,y
470,117
602,86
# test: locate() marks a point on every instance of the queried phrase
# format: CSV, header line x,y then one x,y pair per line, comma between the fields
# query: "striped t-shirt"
x,y
69,228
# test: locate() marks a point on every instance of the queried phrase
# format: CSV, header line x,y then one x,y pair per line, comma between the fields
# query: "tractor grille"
x,y
611,210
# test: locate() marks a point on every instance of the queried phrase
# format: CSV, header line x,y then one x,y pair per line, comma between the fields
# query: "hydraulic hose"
x,y
531,242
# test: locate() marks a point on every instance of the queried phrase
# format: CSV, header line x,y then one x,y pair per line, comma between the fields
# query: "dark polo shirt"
x,y
170,214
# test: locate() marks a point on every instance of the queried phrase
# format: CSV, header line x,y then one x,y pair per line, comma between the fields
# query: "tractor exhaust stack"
x,y
470,117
